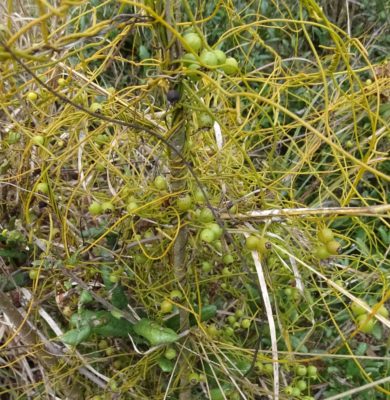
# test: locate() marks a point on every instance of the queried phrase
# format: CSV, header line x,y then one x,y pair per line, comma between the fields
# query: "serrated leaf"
x,y
154,333
76,336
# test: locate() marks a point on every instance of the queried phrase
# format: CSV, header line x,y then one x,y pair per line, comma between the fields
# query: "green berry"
x,y
295,392
333,247
365,324
209,58
108,207
212,330
38,140
239,313
325,235
229,331
188,58
301,385
43,187
61,82
176,295
221,56
357,309
184,203
301,370
321,252
312,371
160,183
245,323
191,72
170,353
103,344
205,120
228,259
33,274
193,378
166,307
226,271
114,278
231,319
206,266
95,208
199,196
206,215
218,231
193,41
252,243
131,206
32,96
95,107
230,66
207,235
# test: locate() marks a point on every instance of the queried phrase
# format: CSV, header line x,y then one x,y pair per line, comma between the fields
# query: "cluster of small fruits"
x,y
329,246
203,56
366,323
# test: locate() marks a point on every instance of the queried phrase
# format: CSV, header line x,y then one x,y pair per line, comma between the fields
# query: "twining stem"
x,y
29,337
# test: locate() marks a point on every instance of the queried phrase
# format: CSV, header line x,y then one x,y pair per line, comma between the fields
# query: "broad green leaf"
x,y
76,336
165,364
102,323
154,333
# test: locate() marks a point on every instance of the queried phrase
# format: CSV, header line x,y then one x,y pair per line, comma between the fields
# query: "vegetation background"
x,y
172,228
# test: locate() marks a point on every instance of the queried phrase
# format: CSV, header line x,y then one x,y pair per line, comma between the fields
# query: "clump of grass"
x,y
130,212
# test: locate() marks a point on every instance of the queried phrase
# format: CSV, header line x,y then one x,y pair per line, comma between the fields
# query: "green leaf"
x,y
154,333
102,323
76,336
165,364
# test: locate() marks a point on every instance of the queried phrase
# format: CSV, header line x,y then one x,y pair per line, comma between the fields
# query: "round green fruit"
x,y
193,41
103,344
325,235
166,307
114,278
365,324
176,295
382,310
228,259
205,120
206,215
295,392
209,59
207,235
212,330
268,369
218,231
245,323
193,378
231,319
32,96
239,313
38,140
95,107
301,385
333,247
221,56
131,206
191,72
230,66
252,243
184,203
321,252
160,183
188,58
43,187
301,370
226,271
312,371
61,82
108,207
33,274
206,266
95,208
170,353
357,309
229,331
